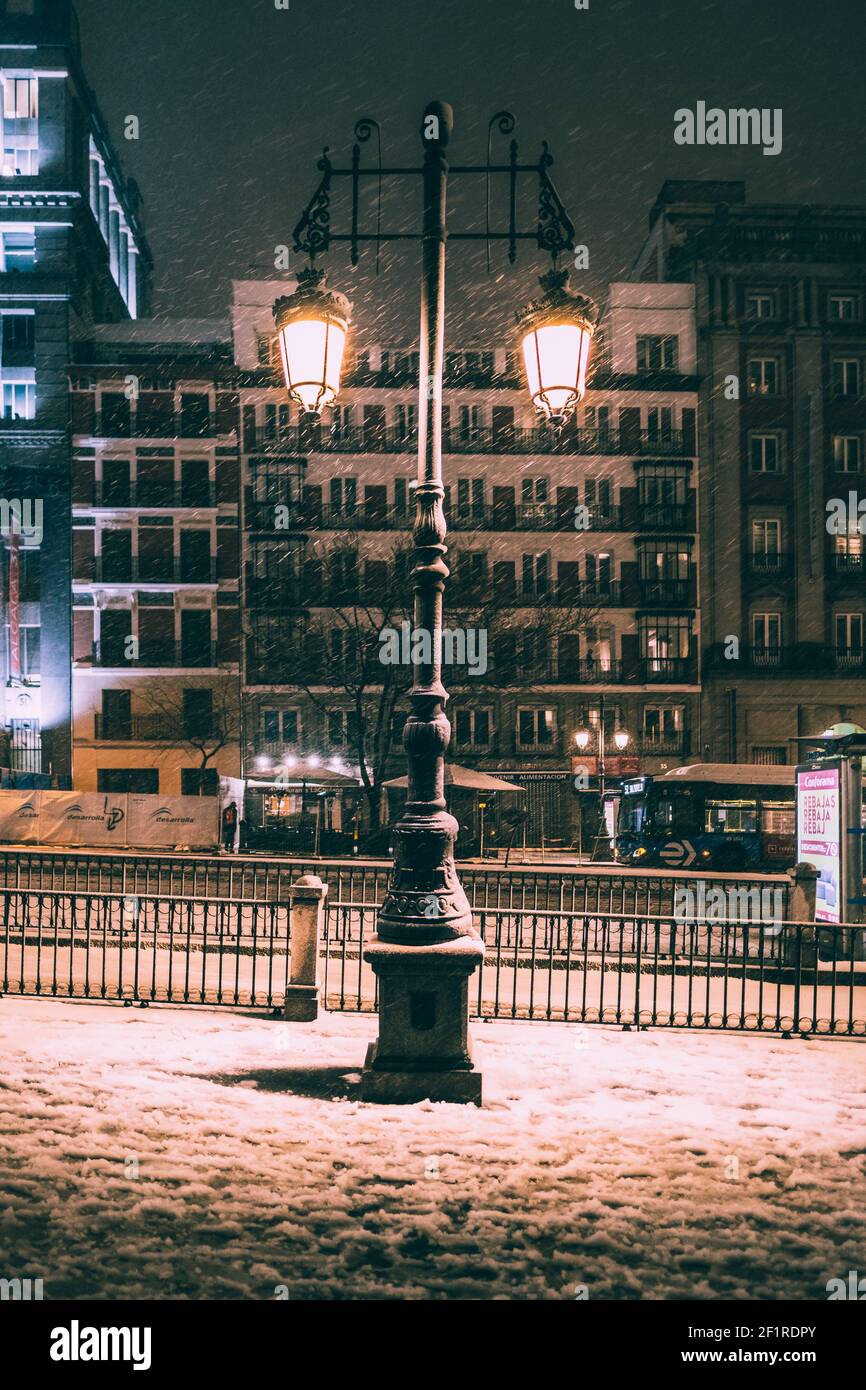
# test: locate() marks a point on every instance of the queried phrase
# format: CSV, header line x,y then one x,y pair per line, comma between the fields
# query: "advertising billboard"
x,y
820,839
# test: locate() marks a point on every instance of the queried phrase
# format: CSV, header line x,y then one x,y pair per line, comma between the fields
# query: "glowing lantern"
x,y
556,333
312,325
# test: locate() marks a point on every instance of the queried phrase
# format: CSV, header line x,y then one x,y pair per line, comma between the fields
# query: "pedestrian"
x,y
230,825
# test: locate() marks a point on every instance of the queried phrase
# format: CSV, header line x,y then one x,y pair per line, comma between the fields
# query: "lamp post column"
x,y
426,945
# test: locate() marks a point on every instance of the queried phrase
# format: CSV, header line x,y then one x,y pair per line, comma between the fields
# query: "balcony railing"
x,y
665,746
848,658
149,495
155,655
136,571
848,562
677,593
371,439
777,562
138,728
169,427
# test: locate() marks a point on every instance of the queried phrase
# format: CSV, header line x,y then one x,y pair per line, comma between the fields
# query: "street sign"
x,y
678,854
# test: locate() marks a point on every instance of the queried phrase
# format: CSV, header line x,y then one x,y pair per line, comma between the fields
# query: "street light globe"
x,y
555,337
581,738
312,324
620,739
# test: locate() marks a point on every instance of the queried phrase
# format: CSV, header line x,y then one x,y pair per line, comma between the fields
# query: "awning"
x,y
458,776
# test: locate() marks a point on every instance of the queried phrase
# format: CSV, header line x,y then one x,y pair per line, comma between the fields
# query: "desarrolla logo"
x,y
163,815
77,1343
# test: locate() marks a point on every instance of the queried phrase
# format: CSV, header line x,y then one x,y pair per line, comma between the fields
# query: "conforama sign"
x,y
819,835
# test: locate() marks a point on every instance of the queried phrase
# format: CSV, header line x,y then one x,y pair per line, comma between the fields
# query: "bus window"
x,y
778,819
732,817
674,810
632,814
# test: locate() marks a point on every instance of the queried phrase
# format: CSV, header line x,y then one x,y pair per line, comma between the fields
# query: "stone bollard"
x,y
308,908
800,944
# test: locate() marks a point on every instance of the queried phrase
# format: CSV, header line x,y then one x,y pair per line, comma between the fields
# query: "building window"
x,y
536,728
17,248
662,724
20,129
848,551
342,728
846,376
844,307
536,576
657,354
199,781
473,728
846,453
767,543
128,779
665,643
848,637
765,454
17,400
281,726
344,496
767,638
660,423
761,304
470,498
406,421
764,376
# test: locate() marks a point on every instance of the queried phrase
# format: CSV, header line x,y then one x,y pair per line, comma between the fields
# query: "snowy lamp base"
x,y
423,1051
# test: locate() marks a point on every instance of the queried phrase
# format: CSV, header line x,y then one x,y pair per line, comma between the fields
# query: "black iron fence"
x,y
144,949
592,966
636,970
589,888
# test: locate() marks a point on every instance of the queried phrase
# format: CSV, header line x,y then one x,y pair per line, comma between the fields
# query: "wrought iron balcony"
x,y
155,655
374,439
778,563
138,728
139,571
148,495
117,426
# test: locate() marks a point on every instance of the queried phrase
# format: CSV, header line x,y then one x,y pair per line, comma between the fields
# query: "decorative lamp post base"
x,y
423,1051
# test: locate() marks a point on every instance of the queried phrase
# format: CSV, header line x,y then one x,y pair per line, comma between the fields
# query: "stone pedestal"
x,y
423,1051
302,993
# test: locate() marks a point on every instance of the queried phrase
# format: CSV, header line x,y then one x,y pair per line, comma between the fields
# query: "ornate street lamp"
x,y
555,335
312,325
426,946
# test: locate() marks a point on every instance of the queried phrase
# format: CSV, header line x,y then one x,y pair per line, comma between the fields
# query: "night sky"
x,y
236,101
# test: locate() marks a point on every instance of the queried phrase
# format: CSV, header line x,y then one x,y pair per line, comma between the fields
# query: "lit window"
x,y
17,400
846,453
18,248
20,130
763,376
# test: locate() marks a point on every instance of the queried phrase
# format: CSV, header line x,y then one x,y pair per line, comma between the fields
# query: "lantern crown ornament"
x,y
555,335
312,326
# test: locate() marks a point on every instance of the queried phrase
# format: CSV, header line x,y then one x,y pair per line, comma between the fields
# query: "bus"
x,y
722,816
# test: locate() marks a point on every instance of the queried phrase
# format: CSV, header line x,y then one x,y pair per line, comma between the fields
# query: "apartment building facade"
x,y
72,253
156,604
780,298
579,553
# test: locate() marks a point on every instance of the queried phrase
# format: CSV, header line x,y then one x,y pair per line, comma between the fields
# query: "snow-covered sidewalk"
x,y
198,1153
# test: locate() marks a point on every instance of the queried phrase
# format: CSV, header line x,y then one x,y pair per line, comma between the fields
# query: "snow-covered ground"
x,y
199,1153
